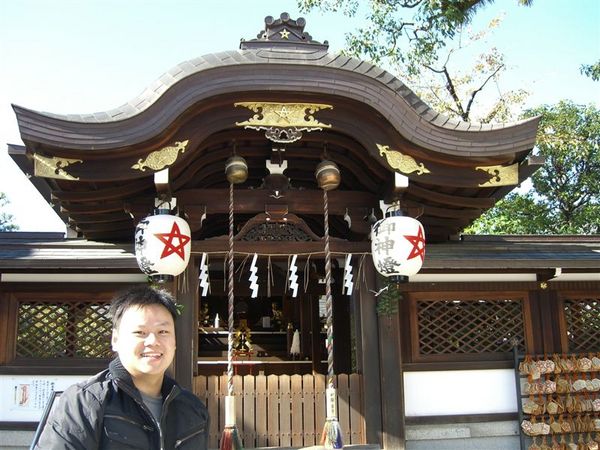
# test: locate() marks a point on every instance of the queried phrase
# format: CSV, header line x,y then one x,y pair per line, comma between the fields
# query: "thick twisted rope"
x,y
230,298
328,299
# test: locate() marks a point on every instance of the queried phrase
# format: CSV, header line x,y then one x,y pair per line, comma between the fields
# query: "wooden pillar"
x,y
368,358
543,316
536,346
187,325
548,299
392,382
8,327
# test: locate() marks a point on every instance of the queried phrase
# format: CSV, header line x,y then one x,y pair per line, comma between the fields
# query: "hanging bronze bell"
x,y
328,175
236,170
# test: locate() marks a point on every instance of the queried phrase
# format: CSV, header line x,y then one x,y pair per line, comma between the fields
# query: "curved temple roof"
x,y
360,115
271,68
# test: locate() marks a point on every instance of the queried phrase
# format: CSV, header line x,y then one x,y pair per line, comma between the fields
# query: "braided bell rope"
x,y
328,299
230,298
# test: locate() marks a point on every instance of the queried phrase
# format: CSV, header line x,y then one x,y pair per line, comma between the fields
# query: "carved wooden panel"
x,y
53,329
288,227
457,324
582,322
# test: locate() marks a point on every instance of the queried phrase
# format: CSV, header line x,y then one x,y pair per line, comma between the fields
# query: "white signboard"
x,y
24,397
452,392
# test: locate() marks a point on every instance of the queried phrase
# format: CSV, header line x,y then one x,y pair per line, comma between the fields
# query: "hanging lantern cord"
x,y
230,298
328,299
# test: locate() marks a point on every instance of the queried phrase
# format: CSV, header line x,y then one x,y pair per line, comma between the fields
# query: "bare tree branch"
x,y
475,92
452,91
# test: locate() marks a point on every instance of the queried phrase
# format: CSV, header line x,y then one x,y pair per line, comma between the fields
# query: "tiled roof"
x,y
267,69
54,253
492,253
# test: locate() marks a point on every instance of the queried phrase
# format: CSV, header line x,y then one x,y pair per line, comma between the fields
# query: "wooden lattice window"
x,y
53,329
582,323
451,325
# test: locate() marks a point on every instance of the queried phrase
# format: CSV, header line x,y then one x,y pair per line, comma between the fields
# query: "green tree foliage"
x,y
515,214
402,31
388,298
591,70
6,220
565,198
412,39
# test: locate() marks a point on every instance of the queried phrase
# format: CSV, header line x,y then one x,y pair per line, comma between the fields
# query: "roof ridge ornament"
x,y
283,122
283,32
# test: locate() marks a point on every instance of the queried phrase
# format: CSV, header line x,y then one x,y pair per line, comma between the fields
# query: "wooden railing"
x,y
282,410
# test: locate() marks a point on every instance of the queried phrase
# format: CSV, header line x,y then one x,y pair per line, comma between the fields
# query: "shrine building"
x,y
431,366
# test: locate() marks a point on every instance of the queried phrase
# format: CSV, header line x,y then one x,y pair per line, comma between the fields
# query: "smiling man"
x,y
133,404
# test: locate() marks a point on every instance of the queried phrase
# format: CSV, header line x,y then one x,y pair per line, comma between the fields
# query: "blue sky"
x,y
80,56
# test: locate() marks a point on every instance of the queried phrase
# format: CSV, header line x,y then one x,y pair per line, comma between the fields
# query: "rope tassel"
x,y
332,433
230,438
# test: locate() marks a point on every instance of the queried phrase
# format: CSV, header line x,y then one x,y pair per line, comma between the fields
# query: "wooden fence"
x,y
282,410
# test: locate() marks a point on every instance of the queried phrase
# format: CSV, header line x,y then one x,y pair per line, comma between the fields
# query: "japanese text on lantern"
x,y
383,243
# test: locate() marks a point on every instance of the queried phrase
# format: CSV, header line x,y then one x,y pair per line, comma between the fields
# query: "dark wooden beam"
x,y
98,218
125,224
121,235
444,212
118,191
354,162
453,200
94,208
443,222
253,201
283,248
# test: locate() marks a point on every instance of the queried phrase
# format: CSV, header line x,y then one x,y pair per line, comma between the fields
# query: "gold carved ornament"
x,y
400,162
159,159
242,339
500,175
53,167
283,122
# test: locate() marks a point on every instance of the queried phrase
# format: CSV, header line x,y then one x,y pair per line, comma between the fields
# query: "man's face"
x,y
145,340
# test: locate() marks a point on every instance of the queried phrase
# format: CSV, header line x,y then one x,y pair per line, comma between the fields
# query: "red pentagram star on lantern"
x,y
168,238
418,243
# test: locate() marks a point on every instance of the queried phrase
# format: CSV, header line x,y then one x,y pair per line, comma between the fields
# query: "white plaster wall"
x,y
460,392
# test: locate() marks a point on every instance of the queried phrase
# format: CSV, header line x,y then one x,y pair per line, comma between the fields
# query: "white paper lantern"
x,y
163,244
398,247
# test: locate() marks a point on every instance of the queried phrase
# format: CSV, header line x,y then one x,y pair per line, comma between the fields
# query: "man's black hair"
x,y
140,296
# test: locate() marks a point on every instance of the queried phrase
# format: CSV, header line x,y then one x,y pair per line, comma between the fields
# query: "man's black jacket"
x,y
106,412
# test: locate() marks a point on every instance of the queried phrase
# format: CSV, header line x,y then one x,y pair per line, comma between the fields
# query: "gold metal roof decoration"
x,y
53,167
500,175
283,122
159,159
400,162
